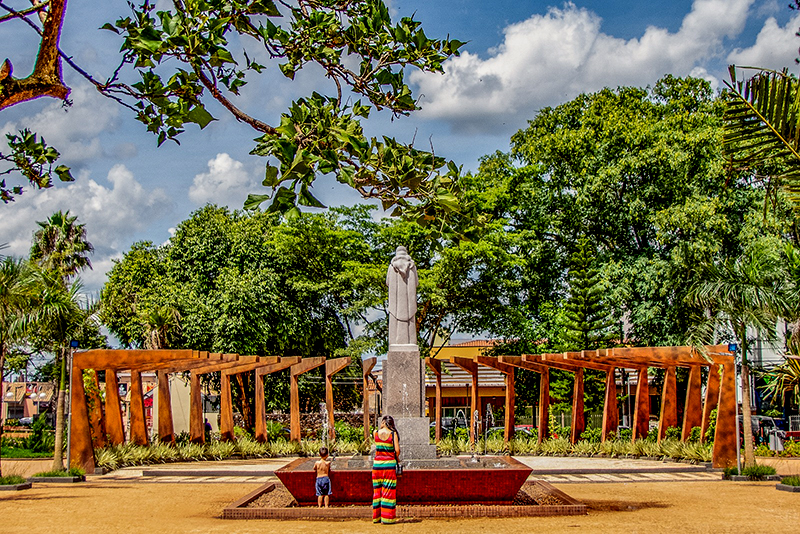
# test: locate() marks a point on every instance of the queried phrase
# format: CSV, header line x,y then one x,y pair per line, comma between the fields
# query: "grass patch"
x,y
72,472
11,480
16,452
757,472
793,480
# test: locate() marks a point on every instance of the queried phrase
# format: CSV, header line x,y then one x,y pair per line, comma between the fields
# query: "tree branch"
x,y
239,114
25,12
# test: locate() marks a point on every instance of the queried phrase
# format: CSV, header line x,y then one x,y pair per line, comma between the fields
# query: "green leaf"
x,y
199,115
264,7
271,177
63,173
254,201
108,26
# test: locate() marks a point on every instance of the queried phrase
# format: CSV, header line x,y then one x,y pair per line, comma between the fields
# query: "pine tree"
x,y
586,322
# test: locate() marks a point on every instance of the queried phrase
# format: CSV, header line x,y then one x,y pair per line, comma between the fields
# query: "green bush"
x,y
763,450
758,472
791,448
348,433
275,430
11,480
695,434
72,472
626,434
585,448
42,438
712,426
652,435
728,472
592,435
793,480
672,432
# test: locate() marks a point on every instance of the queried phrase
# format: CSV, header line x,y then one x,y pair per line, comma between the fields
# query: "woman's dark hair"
x,y
389,421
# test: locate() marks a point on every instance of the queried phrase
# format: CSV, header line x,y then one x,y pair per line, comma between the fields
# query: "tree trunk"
x,y
58,449
747,423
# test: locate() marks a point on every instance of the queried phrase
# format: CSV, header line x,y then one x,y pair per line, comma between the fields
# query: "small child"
x,y
323,468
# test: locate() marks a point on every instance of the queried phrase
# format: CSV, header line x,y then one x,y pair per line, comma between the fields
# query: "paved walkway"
x,y
555,470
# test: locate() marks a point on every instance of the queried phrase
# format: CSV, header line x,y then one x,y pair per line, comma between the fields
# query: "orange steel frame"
x,y
104,424
720,390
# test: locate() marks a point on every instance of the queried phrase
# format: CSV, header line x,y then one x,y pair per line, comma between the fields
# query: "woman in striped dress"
x,y
384,476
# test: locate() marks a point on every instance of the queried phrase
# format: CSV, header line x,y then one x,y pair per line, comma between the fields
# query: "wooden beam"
x,y
114,427
366,368
725,437
331,368
121,359
712,398
517,361
578,409
641,414
137,418
225,408
470,367
96,418
250,365
693,408
80,438
197,428
508,374
166,432
436,366
544,406
261,408
306,365
669,404
610,410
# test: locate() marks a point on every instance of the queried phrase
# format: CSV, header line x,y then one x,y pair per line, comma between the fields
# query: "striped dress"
x,y
384,481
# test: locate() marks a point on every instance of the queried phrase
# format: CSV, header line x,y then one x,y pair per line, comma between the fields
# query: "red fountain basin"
x,y
483,480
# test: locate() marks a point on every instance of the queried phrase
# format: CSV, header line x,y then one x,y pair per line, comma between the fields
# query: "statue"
x,y
402,281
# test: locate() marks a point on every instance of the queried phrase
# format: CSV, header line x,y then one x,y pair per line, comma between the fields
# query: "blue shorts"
x,y
323,486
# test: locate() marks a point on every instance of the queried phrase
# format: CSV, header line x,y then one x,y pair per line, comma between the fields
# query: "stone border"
x,y
15,487
238,509
787,487
57,480
744,478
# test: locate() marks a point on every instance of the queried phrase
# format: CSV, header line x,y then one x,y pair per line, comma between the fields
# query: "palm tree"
x,y
60,245
748,293
784,380
159,326
762,127
15,298
56,317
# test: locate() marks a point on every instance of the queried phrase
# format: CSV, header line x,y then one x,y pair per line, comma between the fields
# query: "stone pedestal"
x,y
404,400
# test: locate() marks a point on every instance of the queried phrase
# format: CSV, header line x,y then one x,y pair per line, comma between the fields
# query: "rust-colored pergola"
x,y
103,425
720,390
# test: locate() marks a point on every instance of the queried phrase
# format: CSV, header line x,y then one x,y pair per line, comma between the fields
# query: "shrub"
x,y
712,426
247,446
763,450
793,480
592,434
672,448
728,472
672,432
652,435
275,430
221,450
191,451
72,472
585,448
555,447
791,448
11,480
347,432
42,438
106,458
695,434
626,434
239,432
523,445
758,472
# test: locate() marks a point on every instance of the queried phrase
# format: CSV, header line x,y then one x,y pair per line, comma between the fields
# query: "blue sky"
x,y
521,56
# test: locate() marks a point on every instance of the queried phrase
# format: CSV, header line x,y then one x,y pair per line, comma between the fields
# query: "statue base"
x,y
404,400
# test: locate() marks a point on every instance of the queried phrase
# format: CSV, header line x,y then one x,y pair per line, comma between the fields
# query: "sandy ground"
x,y
106,507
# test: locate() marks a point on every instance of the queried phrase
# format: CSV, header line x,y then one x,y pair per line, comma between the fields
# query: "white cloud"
x,y
775,47
113,213
74,130
227,183
550,58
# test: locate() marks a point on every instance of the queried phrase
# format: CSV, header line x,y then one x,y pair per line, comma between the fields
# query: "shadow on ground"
x,y
620,506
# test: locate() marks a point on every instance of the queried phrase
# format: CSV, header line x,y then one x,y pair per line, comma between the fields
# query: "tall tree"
x,y
60,245
741,296
587,322
175,59
15,303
